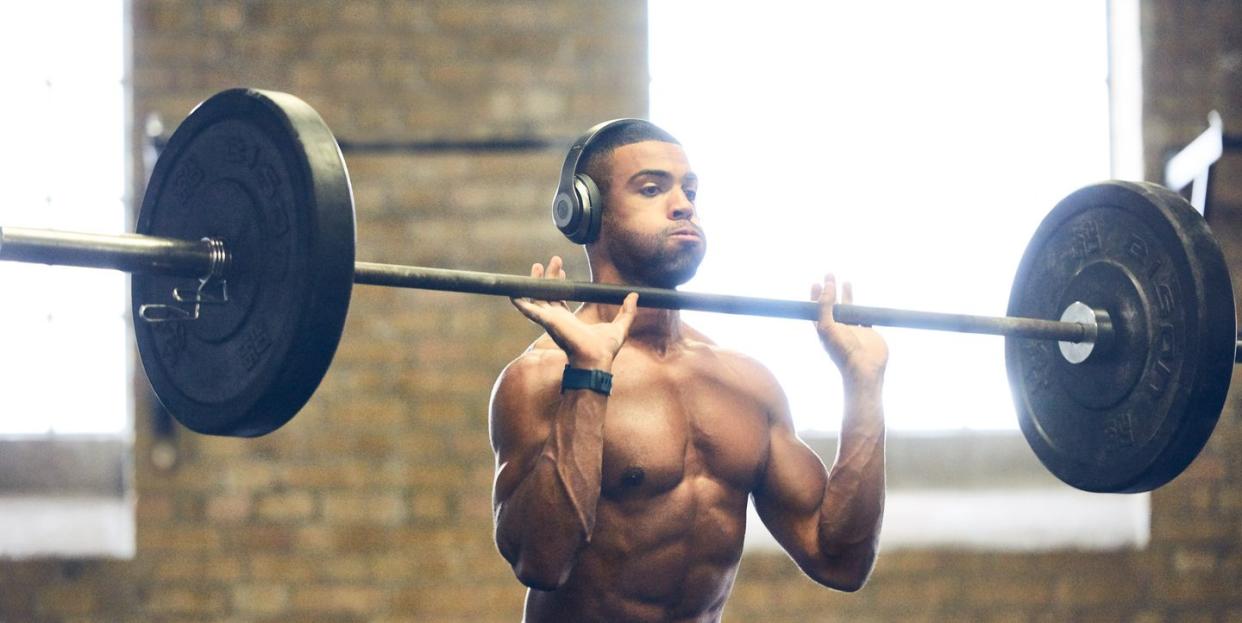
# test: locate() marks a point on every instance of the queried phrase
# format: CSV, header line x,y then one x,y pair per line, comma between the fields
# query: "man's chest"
x,y
664,426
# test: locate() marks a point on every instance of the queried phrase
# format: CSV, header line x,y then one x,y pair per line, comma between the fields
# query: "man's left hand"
x,y
859,352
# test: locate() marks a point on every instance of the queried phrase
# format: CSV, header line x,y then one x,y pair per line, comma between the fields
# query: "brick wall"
x,y
373,504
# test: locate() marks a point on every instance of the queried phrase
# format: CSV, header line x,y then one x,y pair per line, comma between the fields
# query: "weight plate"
x,y
1135,413
261,171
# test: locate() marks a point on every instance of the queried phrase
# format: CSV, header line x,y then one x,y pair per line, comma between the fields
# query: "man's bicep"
x,y
792,489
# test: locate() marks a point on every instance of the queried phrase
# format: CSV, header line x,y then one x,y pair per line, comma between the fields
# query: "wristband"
x,y
594,380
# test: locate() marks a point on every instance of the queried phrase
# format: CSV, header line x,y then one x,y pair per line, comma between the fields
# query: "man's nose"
x,y
682,206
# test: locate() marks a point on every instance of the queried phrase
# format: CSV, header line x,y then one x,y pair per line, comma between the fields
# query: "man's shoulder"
x,y
537,368
736,369
722,357
734,362
541,356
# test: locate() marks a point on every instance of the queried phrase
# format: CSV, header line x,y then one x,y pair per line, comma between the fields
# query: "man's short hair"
x,y
595,159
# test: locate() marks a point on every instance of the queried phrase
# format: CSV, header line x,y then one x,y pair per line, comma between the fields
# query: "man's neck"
x,y
657,329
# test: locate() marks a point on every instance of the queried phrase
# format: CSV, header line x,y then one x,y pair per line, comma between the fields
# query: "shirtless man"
x,y
631,505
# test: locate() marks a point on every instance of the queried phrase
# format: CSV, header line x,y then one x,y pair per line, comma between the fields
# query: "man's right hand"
x,y
588,346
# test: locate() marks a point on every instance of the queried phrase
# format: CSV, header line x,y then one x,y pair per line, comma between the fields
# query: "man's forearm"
x,y
854,497
551,514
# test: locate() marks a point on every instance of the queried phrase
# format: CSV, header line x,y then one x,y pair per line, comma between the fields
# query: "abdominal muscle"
x,y
684,445
671,557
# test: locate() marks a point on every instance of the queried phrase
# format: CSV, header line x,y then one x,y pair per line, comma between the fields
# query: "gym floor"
x,y
374,503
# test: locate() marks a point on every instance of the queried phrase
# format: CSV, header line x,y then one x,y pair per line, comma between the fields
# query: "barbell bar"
x,y
199,258
243,264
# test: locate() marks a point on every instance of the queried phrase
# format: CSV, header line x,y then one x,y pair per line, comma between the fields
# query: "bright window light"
x,y
63,351
911,147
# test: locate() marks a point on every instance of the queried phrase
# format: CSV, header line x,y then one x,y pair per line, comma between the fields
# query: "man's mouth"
x,y
686,232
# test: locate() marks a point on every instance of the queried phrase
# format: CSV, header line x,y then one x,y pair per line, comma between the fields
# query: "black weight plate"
x,y
1133,415
261,171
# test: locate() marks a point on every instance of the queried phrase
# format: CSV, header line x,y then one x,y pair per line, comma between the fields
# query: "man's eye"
x,y
650,191
691,194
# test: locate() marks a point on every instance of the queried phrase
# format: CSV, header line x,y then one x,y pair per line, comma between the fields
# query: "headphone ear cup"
x,y
567,212
592,209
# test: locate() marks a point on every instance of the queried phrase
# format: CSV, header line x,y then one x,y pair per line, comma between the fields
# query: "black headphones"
x,y
578,207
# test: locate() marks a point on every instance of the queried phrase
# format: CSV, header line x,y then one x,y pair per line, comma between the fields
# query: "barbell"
x,y
1120,333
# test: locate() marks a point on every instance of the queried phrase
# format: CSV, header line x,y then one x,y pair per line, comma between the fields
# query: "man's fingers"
x,y
629,309
830,287
527,307
554,270
847,293
828,290
826,294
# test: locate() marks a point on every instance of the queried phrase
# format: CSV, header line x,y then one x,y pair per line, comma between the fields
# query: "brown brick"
x,y
1010,591
186,601
178,538
260,599
1189,529
228,508
430,506
245,476
66,600
363,538
1192,589
287,506
1229,500
198,567
281,569
225,447
338,599
1206,467
347,568
928,592
154,16
1193,560
316,538
1087,589
1194,616
404,568
364,508
262,537
361,14
223,16
319,476
154,507
462,601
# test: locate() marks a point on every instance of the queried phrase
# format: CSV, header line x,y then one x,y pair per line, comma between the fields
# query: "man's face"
x,y
651,228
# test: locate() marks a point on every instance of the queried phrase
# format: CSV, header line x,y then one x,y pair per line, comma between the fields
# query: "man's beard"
x,y
649,260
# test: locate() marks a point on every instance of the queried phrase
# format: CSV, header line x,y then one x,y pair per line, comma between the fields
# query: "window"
x,y
65,347
912,148
65,373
